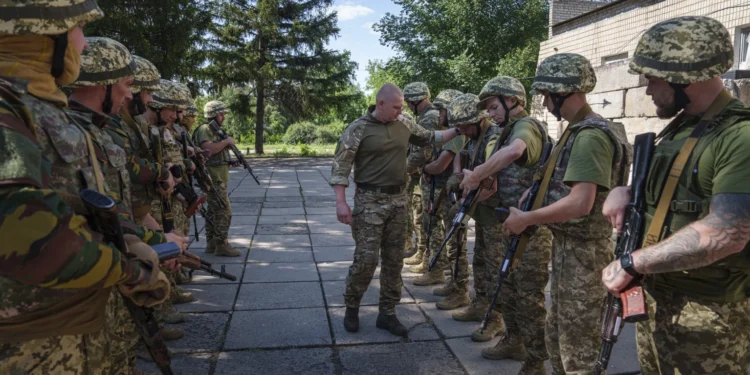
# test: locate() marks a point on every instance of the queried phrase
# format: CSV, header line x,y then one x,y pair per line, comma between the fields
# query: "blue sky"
x,y
357,36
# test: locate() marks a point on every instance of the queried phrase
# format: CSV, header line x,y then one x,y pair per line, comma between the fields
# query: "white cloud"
x,y
349,12
368,26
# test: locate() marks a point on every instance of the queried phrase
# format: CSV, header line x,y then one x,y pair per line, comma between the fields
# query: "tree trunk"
x,y
259,109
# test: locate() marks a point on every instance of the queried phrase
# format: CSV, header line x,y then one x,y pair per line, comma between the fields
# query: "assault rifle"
x,y
516,241
186,190
105,221
195,263
237,153
630,305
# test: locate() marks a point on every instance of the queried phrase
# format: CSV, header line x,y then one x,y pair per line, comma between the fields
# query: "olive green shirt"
x,y
591,159
218,173
526,131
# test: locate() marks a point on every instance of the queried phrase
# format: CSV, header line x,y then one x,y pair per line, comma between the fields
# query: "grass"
x,y
285,150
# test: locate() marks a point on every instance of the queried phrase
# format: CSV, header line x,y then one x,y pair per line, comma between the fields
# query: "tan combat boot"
x,y
414,259
226,250
181,278
509,347
531,367
210,246
454,301
445,290
171,334
494,328
474,313
429,278
174,318
179,295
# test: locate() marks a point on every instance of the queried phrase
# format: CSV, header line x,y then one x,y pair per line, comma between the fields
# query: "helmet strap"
x,y
681,100
138,105
107,103
159,121
416,107
557,103
507,110
58,56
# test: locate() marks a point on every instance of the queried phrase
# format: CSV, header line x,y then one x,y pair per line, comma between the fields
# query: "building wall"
x,y
615,30
563,10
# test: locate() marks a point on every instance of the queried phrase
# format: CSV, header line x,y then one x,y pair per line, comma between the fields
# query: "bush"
x,y
305,150
282,152
330,133
301,132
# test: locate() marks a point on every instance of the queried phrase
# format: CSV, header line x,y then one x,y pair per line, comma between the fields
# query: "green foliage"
x,y
301,132
283,152
305,150
329,133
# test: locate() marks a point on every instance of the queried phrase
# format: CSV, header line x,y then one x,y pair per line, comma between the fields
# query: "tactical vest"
x,y
171,148
727,280
478,153
594,225
514,180
220,158
142,194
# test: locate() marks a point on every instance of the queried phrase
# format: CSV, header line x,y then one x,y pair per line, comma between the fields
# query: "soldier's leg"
x,y
121,334
410,247
367,231
222,221
392,242
437,274
492,238
58,355
552,337
648,355
580,297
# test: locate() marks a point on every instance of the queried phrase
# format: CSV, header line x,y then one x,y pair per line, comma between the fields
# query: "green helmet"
x,y
46,17
146,76
463,111
416,91
507,87
191,110
169,96
445,97
105,62
684,50
564,72
213,108
185,94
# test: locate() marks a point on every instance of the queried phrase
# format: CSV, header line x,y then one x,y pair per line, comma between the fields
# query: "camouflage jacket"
x,y
594,225
418,156
171,146
205,133
478,155
50,258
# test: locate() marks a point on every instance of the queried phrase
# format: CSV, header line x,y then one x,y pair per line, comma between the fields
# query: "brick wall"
x,y
563,10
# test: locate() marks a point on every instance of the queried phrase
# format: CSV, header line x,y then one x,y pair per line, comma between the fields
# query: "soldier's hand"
x,y
229,141
192,168
523,197
517,221
178,239
344,213
616,279
168,189
171,264
470,181
615,205
190,150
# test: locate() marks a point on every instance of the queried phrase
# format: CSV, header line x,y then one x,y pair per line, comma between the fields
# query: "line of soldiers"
x,y
694,264
122,131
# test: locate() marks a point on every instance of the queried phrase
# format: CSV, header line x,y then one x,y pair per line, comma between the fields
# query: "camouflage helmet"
x,y
146,76
416,91
169,96
463,111
191,110
213,108
445,97
507,87
46,17
185,94
564,72
105,62
684,50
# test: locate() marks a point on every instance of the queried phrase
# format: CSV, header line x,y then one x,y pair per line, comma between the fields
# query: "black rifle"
x,y
187,192
105,221
167,219
220,132
509,261
195,263
630,305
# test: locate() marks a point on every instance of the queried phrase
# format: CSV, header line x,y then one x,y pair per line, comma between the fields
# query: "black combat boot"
x,y
391,323
351,319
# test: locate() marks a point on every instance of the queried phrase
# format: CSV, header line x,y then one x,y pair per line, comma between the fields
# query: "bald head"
x,y
390,103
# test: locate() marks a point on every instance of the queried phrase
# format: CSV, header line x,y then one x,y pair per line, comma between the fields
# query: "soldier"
x,y
55,274
592,157
522,301
696,268
218,169
188,116
417,96
375,145
464,114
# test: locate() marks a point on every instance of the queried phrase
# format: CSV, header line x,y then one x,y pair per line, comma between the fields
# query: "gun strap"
x,y
479,142
94,161
660,215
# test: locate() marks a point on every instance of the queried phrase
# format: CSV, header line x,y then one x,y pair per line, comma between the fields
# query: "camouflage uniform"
x,y
57,328
379,213
699,319
583,246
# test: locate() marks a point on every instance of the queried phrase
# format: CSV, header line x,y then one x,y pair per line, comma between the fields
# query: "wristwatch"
x,y
626,262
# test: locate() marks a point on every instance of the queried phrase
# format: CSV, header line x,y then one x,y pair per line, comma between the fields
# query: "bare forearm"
x,y
501,159
578,203
214,147
340,191
440,164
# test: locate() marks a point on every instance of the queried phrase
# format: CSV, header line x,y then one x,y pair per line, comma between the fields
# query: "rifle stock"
x,y
237,153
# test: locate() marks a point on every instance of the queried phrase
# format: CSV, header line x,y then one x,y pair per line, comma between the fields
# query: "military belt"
x,y
391,190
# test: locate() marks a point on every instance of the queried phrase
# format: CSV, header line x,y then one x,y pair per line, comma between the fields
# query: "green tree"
x,y
277,47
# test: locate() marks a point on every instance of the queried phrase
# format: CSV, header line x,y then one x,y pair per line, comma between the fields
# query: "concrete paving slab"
x,y
247,193
279,272
243,220
282,219
422,294
283,202
447,326
278,328
273,241
299,210
202,333
201,277
213,259
470,355
242,230
240,241
194,363
237,197
283,192
322,219
315,361
279,199
330,228
409,315
246,209
209,298
285,255
321,210
266,296
338,270
281,229
342,239
333,253
334,293
422,358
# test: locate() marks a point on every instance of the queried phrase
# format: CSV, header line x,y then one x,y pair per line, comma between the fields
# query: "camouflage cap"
x,y
445,97
507,87
416,91
564,72
191,110
146,76
105,62
684,50
46,17
463,110
169,96
213,108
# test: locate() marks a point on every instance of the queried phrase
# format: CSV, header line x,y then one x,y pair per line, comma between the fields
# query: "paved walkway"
x,y
284,314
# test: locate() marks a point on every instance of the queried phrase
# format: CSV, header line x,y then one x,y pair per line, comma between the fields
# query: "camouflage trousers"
x,y
379,232
521,298
416,214
487,258
455,250
687,336
181,221
57,355
122,337
221,217
574,319
436,224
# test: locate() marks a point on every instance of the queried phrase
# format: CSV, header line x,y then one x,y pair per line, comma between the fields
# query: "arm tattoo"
x,y
723,232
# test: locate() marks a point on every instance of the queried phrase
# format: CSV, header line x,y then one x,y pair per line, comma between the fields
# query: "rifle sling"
x,y
94,162
660,215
